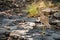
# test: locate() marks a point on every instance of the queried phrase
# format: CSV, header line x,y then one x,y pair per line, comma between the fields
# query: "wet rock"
x,y
50,10
49,38
37,37
3,30
23,38
30,19
13,17
11,24
57,15
47,10
18,22
20,14
30,39
17,38
4,34
2,16
56,21
18,32
10,27
58,24
26,25
30,23
8,22
56,36
55,24
17,35
39,25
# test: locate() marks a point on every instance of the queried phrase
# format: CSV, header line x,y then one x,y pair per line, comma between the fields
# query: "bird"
x,y
44,20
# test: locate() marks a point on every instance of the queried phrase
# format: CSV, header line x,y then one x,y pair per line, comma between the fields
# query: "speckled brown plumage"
x,y
44,20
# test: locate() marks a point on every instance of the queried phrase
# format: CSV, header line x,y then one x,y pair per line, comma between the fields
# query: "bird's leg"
x,y
43,30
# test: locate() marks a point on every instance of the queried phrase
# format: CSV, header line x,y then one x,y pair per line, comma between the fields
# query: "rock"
x,y
56,21
30,39
49,38
29,19
55,24
23,39
40,25
57,15
56,36
4,34
58,24
3,30
26,25
13,17
30,24
50,10
2,16
20,14
47,10
29,27
16,38
10,27
18,32
8,22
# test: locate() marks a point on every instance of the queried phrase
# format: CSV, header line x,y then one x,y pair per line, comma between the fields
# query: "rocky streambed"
x,y
24,28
